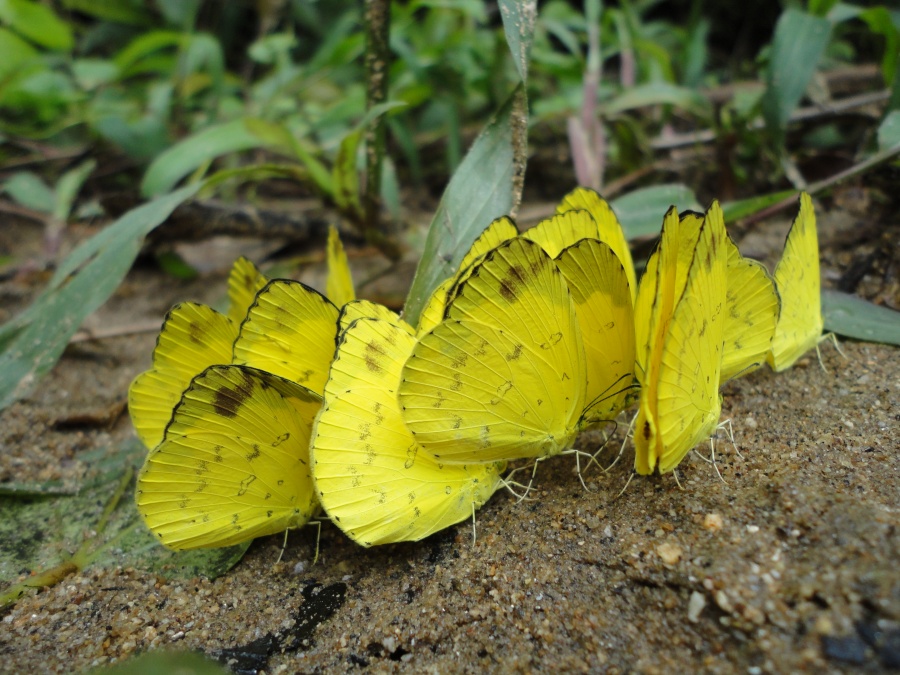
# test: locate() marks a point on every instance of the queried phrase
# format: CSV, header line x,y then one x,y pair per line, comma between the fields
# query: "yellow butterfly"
x,y
193,337
499,231
339,285
234,462
679,401
608,226
661,285
289,331
603,304
753,307
244,282
797,278
374,481
503,375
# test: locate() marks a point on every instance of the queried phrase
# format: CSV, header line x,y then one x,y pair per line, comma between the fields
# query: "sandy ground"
x,y
789,564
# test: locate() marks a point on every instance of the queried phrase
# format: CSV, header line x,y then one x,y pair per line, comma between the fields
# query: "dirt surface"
x,y
788,564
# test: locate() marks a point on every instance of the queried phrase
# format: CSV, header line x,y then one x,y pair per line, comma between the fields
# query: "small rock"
x,y
713,522
670,553
695,606
390,644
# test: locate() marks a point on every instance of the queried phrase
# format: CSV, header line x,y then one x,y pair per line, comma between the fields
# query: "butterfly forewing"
x,y
192,338
289,331
503,376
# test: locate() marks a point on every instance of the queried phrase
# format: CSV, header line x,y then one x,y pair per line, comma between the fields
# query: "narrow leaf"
x,y
518,23
799,42
853,317
746,207
187,155
659,93
29,190
34,340
480,190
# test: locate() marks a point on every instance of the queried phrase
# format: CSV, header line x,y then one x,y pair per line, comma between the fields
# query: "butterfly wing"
x,y
366,309
192,338
562,230
339,284
753,307
244,282
289,331
689,406
498,232
797,279
599,286
373,479
608,225
234,463
502,376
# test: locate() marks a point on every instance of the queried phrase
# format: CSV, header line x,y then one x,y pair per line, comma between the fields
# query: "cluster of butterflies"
x,y
294,402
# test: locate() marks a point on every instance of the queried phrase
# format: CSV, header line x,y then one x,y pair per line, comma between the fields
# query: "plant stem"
x,y
378,29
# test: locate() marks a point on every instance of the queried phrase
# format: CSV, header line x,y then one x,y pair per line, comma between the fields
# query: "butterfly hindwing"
x,y
234,463
607,224
373,479
797,279
753,307
599,286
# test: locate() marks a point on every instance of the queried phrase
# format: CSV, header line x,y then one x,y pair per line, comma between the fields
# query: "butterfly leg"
x,y
627,483
833,339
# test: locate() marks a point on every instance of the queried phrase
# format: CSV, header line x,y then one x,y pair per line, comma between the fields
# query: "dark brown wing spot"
x,y
195,333
228,400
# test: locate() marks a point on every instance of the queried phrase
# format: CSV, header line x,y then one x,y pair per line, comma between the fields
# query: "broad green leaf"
x,y
853,317
181,159
15,52
745,207
480,190
29,190
131,12
799,42
889,131
37,22
641,212
68,186
164,663
518,23
33,341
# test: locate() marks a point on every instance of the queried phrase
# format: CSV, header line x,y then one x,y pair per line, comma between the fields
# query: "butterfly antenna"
x,y
474,530
678,482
